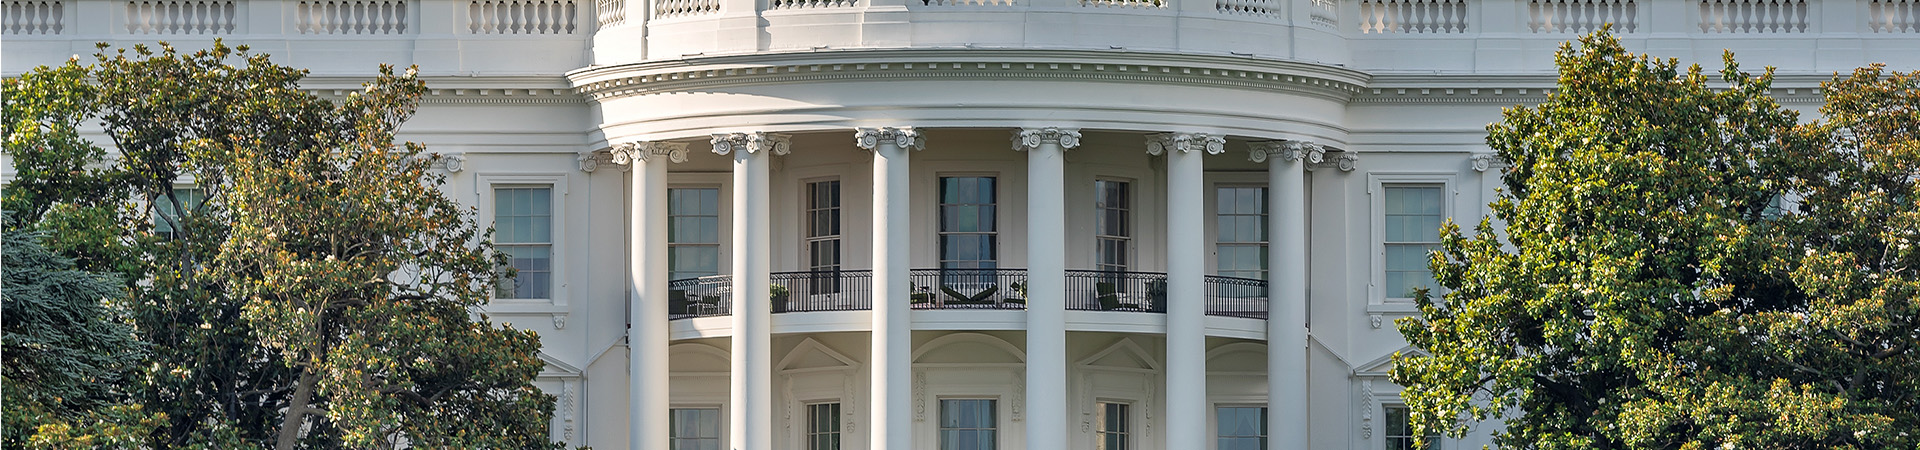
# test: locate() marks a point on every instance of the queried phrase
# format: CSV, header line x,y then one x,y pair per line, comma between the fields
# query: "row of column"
x,y
890,426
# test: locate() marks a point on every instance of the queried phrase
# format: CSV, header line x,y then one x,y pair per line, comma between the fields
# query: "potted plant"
x,y
778,295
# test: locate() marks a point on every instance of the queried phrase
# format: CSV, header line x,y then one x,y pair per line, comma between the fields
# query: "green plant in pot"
x,y
778,294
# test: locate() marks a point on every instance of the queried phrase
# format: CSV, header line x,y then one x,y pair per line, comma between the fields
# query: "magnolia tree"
x,y
314,287
1678,263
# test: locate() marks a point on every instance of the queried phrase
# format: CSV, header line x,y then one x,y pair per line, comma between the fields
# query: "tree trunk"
x,y
296,411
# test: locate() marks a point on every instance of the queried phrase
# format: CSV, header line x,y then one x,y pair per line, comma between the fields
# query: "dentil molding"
x,y
699,74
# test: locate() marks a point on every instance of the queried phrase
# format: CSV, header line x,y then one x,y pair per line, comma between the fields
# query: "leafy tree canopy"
x,y
1643,287
313,287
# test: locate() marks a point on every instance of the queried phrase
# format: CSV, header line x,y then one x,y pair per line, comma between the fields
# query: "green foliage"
x,y
319,294
1641,294
67,355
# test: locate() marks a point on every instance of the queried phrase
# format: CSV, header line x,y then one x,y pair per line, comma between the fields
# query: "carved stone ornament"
x,y
452,162
590,161
919,396
1288,151
1345,160
752,143
1031,138
1375,320
904,137
1484,161
1160,144
1019,394
624,154
559,321
567,396
1366,409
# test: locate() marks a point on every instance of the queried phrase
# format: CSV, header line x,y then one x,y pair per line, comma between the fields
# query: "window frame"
x,y
484,187
722,230
808,433
1100,431
1388,435
826,278
155,217
939,217
940,428
1377,182
720,425
1213,414
1213,229
1127,223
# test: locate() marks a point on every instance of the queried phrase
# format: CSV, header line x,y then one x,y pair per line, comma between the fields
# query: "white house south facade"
x,y
971,224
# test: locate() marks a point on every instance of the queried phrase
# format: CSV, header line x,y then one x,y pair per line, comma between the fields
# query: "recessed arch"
x,y
972,341
692,357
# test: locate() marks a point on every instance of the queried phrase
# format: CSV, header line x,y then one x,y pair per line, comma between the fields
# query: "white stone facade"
x,y
610,111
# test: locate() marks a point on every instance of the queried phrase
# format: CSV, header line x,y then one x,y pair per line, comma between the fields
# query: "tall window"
x,y
166,215
1240,247
1112,215
823,235
968,424
1240,428
968,237
1412,229
1400,431
693,232
523,229
823,426
1112,418
693,429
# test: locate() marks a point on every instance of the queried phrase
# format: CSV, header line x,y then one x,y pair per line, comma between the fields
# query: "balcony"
x,y
969,289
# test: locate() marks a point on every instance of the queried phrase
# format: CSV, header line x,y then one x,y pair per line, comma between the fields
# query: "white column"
x,y
1046,408
751,410
1286,288
890,423
1186,289
647,319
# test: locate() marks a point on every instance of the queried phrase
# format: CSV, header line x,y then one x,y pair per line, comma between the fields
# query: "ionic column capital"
x,y
1288,151
1031,138
1345,161
625,154
751,143
1159,144
904,137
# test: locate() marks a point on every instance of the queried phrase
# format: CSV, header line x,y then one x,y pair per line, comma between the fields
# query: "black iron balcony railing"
x,y
968,288
1236,297
837,290
852,290
1099,290
700,297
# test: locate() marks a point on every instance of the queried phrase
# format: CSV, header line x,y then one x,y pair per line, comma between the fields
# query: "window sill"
x,y
1394,307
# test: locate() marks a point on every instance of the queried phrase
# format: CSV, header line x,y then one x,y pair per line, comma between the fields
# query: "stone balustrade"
x,y
556,36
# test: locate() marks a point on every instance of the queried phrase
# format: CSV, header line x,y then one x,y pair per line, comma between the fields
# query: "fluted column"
x,y
647,332
752,394
1046,407
1186,288
1286,288
891,398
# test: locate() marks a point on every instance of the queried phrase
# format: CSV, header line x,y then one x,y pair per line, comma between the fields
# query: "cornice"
x,y
455,90
611,82
1512,89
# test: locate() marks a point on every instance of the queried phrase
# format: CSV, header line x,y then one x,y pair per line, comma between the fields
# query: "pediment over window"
x,y
812,355
1380,367
1124,355
555,368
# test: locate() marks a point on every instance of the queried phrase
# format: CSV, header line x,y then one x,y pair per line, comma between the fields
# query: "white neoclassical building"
x,y
971,224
